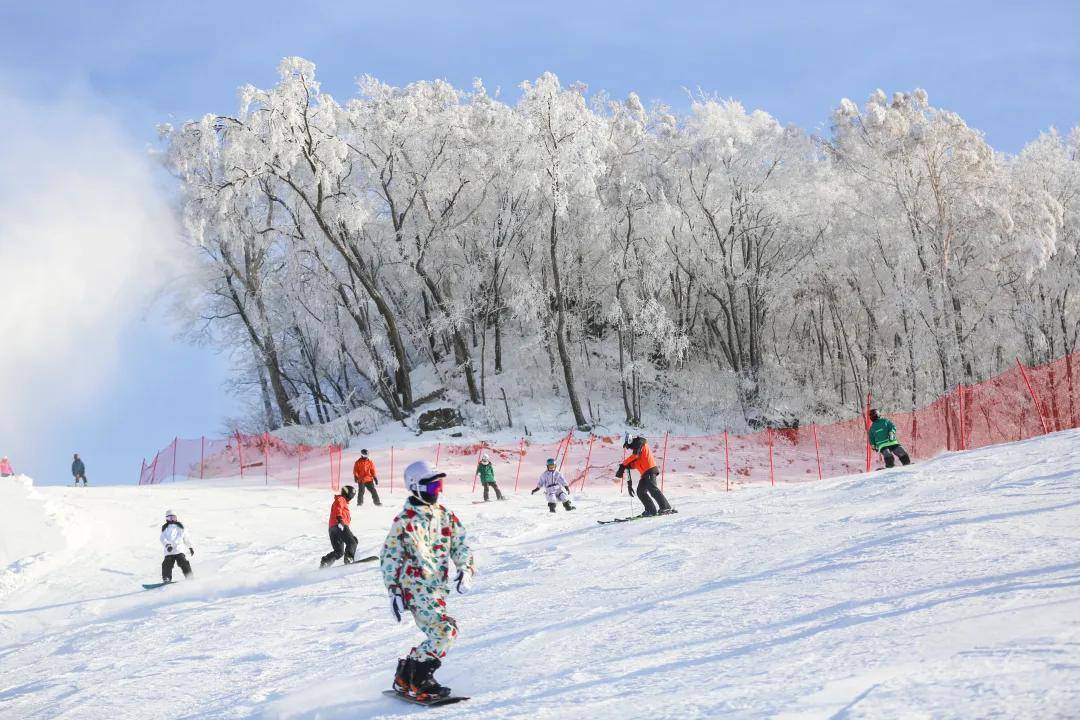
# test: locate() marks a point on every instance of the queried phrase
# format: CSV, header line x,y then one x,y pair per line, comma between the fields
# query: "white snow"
x,y
950,589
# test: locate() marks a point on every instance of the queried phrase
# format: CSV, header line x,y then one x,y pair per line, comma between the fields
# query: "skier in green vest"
x,y
882,435
486,471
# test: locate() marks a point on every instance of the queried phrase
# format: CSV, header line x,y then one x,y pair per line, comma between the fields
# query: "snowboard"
x,y
369,558
151,586
436,702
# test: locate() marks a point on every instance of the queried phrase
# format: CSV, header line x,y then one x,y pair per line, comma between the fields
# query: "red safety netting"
x,y
1019,403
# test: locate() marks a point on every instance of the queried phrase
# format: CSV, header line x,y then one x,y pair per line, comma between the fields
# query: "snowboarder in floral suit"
x,y
486,471
554,484
423,539
882,436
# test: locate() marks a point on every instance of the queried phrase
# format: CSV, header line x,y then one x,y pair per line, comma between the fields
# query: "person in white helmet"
x,y
486,471
174,538
424,539
554,486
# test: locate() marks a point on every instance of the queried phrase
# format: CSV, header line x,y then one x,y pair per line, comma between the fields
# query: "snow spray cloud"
x,y
84,228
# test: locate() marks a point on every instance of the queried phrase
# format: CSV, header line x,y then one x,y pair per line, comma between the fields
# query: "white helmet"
x,y
170,515
420,476
484,457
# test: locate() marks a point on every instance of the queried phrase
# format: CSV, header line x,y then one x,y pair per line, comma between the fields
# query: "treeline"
x,y
429,240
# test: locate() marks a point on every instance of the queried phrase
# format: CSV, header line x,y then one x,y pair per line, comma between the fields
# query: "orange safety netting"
x,y
1019,403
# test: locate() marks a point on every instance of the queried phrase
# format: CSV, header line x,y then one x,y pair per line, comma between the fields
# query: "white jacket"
x,y
173,535
554,485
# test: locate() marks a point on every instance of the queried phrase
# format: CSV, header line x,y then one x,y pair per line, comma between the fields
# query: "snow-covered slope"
x,y
947,589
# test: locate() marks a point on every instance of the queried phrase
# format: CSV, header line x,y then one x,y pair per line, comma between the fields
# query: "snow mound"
x,y
948,589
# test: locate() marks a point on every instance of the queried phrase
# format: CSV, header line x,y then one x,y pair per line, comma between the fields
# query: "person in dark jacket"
x,y
882,436
342,539
78,470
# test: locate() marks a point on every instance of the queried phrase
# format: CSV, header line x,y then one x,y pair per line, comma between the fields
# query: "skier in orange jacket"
x,y
364,474
642,460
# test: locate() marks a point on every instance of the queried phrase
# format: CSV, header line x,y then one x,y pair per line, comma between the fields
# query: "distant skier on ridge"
x,y
882,436
423,539
78,470
642,460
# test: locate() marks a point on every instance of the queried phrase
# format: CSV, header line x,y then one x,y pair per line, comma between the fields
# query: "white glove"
x,y
397,604
463,581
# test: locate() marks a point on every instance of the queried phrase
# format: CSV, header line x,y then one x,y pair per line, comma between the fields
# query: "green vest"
x,y
487,473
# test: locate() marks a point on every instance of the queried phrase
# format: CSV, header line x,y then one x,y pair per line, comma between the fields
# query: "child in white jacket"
x,y
555,486
173,539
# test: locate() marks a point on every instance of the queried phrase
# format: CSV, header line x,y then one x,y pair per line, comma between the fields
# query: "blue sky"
x,y
1009,69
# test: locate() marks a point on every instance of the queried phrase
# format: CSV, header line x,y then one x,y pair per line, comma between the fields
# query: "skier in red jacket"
x,y
341,536
642,460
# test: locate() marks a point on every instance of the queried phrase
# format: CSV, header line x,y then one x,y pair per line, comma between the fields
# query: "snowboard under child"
x,y
342,539
555,486
642,460
174,538
423,540
882,437
486,471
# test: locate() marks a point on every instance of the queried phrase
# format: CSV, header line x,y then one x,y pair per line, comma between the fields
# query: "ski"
x,y
636,517
434,702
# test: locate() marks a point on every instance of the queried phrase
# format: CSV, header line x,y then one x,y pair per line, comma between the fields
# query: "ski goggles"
x,y
432,486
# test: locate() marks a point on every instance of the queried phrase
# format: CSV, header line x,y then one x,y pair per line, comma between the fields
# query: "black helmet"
x,y
873,414
348,492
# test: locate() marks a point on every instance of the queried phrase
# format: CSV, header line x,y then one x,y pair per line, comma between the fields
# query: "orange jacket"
x,y
643,461
363,471
340,509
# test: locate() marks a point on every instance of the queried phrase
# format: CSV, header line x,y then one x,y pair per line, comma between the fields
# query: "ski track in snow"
x,y
949,589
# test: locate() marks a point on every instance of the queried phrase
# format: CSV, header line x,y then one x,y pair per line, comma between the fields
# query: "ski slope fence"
x,y
1017,404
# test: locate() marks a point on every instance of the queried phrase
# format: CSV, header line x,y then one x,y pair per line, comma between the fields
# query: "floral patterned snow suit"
x,y
416,556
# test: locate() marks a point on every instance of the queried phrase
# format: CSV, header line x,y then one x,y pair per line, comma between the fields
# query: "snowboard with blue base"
x,y
433,702
151,586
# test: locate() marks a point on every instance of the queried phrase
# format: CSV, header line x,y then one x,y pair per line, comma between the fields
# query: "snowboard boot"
x,y
667,511
551,507
403,676
424,685
568,506
648,513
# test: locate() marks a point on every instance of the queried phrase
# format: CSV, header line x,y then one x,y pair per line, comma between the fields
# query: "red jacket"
x,y
363,471
340,508
643,461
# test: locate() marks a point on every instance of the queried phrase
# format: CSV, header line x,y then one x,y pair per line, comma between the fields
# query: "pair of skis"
x,y
635,517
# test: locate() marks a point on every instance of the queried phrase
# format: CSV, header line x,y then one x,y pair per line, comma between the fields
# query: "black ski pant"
x,y
175,559
344,543
80,477
899,451
498,493
647,492
370,487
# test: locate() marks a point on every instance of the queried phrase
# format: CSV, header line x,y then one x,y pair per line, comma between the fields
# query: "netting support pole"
x,y
266,458
1034,397
175,441
477,473
521,456
202,456
142,471
772,472
438,451
299,460
240,452
391,469
817,451
866,421
153,472
588,459
961,403
727,463
663,463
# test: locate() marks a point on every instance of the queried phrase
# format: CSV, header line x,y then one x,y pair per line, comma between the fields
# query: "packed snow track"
x,y
948,589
